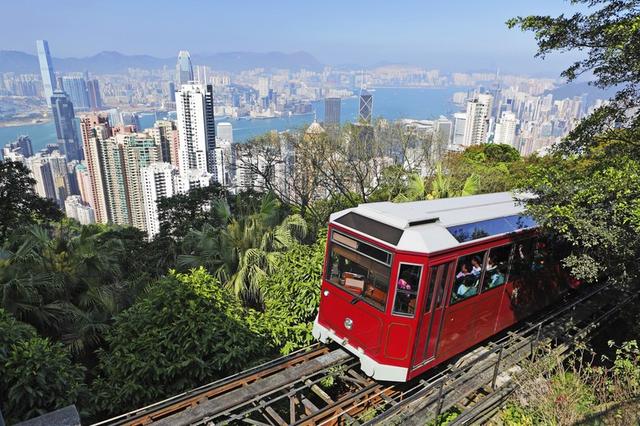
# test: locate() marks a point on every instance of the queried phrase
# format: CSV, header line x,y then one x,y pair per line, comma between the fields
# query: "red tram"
x,y
407,286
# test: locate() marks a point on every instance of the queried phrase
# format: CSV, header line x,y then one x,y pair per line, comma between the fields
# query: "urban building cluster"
x,y
106,169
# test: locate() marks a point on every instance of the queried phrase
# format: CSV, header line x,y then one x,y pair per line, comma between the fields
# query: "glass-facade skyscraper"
x,y
76,87
184,69
64,118
366,106
46,69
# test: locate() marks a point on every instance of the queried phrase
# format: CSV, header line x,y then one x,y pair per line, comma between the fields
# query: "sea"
x,y
388,103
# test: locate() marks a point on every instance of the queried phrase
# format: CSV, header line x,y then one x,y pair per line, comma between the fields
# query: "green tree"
x,y
607,33
36,375
185,332
292,294
587,192
19,204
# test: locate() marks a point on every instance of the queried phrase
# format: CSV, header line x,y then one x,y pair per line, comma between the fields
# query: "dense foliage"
x,y
36,375
185,332
19,203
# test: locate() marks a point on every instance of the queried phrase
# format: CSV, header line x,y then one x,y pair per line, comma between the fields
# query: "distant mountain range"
x,y
115,62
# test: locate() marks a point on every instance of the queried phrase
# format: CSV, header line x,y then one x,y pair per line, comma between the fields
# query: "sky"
x,y
454,35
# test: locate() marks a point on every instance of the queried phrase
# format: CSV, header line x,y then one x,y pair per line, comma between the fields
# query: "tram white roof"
x,y
422,225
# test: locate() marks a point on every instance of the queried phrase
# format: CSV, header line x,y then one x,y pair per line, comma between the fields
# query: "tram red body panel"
x,y
404,311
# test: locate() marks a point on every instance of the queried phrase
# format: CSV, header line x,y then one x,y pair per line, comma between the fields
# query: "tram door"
x,y
433,310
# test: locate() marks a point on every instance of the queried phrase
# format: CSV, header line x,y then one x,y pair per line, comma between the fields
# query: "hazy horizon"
x,y
448,36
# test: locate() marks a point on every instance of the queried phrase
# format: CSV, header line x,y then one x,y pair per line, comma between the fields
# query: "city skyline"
x,y
438,35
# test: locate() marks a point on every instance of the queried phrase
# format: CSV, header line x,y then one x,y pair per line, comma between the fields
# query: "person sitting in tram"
x,y
476,266
496,278
464,271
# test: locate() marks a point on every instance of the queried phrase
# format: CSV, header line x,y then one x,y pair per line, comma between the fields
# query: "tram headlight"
x,y
348,323
326,293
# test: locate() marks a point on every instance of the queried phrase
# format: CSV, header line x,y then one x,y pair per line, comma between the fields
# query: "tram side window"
x,y
407,289
359,275
522,259
497,268
468,273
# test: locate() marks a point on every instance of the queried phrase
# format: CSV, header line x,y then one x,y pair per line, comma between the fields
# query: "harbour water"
x,y
389,103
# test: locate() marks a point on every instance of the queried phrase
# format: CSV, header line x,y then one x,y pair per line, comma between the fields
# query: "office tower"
x,y
64,117
21,146
478,115
224,132
76,87
93,90
459,125
164,132
366,106
122,157
506,129
331,111
159,180
442,129
184,69
171,91
196,127
46,69
84,184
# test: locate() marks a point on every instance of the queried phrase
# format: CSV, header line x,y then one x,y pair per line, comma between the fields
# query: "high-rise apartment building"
x,y
442,129
51,175
46,69
84,185
159,180
64,118
505,132
76,87
93,91
166,136
123,155
478,116
366,106
184,69
76,209
459,126
95,130
196,127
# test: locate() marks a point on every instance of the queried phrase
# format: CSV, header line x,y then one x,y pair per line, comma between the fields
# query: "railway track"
x,y
320,385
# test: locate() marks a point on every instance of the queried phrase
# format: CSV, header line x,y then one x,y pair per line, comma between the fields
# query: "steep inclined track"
x,y
286,390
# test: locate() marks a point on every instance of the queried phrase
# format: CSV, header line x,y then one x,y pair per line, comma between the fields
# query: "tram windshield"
x,y
359,268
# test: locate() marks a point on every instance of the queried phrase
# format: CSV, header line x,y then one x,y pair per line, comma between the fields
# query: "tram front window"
x,y
360,275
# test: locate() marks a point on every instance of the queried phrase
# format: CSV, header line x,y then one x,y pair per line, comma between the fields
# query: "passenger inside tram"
x,y
495,277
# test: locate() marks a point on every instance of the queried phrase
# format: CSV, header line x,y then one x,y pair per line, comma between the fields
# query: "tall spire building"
x,y
184,69
46,69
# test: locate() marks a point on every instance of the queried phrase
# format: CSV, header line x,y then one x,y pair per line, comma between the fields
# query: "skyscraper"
x,y
459,126
196,126
331,112
64,117
159,180
366,106
95,129
442,129
506,129
184,69
478,115
164,132
46,69
122,157
93,90
76,87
